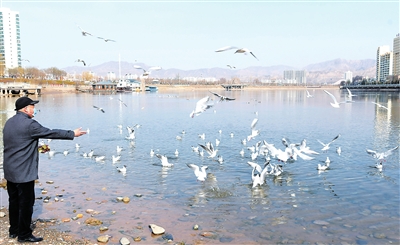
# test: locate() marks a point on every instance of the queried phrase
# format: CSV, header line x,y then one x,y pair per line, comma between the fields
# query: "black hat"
x,y
24,101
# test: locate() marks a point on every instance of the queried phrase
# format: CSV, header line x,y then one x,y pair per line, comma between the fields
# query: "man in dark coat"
x,y
21,163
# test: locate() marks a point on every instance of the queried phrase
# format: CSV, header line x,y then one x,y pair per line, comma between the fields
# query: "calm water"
x,y
352,203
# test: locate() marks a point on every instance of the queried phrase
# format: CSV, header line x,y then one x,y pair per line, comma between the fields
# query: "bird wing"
x,y
206,149
253,55
218,95
255,165
225,48
372,153
254,123
334,139
332,96
122,102
389,152
321,143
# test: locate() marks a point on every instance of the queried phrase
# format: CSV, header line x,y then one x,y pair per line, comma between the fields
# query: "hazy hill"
x,y
329,71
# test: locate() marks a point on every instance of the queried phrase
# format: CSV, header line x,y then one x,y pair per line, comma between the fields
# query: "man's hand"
x,y
78,132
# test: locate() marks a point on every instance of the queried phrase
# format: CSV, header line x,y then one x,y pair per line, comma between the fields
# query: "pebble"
x,y
89,211
138,195
196,227
379,235
119,199
208,234
104,238
103,228
79,216
137,239
50,182
320,222
157,230
93,221
66,220
2,214
228,239
124,241
126,199
44,192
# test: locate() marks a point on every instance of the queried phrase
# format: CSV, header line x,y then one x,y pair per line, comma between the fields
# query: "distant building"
x,y
111,76
384,61
348,76
396,55
10,41
291,76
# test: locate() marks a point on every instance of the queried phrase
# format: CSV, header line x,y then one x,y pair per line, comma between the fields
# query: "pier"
x,y
228,87
19,90
376,87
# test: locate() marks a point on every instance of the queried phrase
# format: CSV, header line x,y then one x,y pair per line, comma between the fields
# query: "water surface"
x,y
350,203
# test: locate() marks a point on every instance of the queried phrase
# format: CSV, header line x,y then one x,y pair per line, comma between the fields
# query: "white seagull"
x,y
222,97
164,160
209,148
99,108
309,95
84,33
380,106
326,146
335,103
106,39
380,156
122,170
115,158
148,71
258,178
350,95
200,173
238,50
254,131
201,106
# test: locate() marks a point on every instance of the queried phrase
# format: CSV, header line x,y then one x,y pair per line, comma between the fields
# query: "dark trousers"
x,y
21,200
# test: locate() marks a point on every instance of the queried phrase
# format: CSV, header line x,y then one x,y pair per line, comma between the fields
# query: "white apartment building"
x,y
396,55
348,76
10,41
384,63
292,76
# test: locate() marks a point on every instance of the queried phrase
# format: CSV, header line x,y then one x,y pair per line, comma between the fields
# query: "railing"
x,y
372,86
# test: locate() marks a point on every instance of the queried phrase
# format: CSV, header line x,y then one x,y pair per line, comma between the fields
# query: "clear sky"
x,y
185,34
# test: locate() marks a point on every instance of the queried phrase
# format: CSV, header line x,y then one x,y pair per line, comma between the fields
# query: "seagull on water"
x,y
164,160
222,97
326,146
200,173
381,156
116,158
238,50
122,170
335,103
201,106
258,178
99,108
338,150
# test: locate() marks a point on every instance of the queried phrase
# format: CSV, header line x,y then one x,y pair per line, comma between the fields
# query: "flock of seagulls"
x,y
273,158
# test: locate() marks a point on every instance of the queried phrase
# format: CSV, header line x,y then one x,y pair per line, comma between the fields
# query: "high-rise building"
x,y
10,41
396,55
292,76
384,63
348,76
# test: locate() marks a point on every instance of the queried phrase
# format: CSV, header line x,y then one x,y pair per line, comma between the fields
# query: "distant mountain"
x,y
328,71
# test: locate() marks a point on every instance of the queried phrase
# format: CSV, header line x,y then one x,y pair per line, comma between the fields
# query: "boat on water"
x,y
128,85
151,88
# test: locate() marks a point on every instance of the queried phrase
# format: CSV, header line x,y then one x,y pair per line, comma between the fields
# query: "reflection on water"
x,y
350,203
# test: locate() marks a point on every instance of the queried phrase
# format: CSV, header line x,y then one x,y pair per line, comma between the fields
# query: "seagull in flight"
x,y
201,106
200,173
231,67
84,33
238,50
309,95
83,62
221,97
335,104
258,178
122,102
350,95
148,71
380,156
380,106
106,39
254,131
209,148
99,108
326,146
164,160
